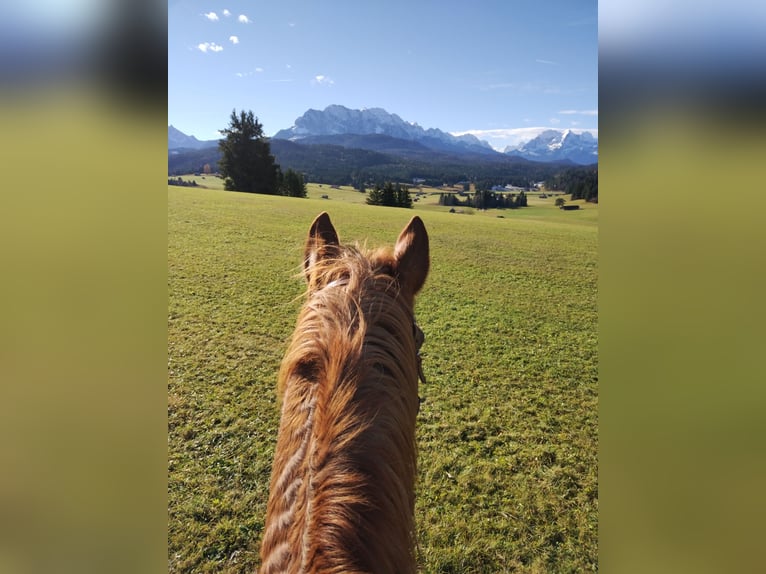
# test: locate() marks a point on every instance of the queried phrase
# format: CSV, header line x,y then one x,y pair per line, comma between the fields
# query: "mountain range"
x,y
340,121
376,130
557,145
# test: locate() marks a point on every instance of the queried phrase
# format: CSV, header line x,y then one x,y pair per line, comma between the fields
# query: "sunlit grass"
x,y
507,436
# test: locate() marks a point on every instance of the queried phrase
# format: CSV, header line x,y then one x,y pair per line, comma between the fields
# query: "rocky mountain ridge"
x,y
340,120
559,145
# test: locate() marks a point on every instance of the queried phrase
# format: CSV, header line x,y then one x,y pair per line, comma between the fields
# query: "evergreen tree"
x,y
403,198
246,163
375,196
293,184
580,183
389,196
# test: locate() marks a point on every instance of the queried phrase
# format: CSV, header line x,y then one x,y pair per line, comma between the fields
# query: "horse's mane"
x,y
342,496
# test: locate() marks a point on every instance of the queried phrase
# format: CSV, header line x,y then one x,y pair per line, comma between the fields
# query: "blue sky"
x,y
502,70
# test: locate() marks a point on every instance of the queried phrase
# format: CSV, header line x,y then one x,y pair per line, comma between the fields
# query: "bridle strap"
x,y
419,340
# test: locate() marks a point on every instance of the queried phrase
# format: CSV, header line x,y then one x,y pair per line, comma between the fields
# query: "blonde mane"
x,y
342,488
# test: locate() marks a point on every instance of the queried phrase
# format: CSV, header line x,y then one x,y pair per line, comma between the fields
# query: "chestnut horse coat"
x,y
342,487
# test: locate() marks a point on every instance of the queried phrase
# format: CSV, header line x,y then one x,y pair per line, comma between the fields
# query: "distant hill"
x,y
181,161
179,140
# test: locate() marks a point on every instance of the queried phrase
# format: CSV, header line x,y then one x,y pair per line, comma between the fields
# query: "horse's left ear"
x,y
411,253
321,242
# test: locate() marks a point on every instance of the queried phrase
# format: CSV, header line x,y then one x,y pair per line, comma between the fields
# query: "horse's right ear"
x,y
412,255
321,242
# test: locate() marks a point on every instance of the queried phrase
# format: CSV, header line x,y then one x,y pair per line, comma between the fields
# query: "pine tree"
x,y
403,198
246,163
293,184
375,196
389,196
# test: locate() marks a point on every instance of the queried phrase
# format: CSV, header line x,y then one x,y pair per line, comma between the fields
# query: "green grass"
x,y
507,436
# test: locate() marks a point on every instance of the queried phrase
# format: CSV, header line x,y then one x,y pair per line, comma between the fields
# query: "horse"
x,y
341,496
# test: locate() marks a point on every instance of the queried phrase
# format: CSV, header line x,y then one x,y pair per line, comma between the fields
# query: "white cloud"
x,y
554,121
244,19
322,80
247,74
212,46
212,16
226,12
579,112
233,39
548,62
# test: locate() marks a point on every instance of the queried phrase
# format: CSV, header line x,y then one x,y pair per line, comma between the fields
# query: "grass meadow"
x,y
507,436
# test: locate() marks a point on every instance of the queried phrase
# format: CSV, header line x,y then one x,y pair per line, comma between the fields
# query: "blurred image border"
x,y
84,292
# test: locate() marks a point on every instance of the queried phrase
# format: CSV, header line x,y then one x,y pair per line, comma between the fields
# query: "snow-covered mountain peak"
x,y
559,145
336,120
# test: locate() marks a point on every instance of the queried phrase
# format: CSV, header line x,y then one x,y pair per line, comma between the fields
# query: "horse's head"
x,y
407,265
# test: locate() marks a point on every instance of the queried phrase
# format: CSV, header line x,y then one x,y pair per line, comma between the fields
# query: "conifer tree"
x,y
246,162
293,184
389,197
403,198
375,196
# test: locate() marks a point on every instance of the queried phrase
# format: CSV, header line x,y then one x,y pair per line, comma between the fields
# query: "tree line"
x,y
390,194
182,182
581,182
484,199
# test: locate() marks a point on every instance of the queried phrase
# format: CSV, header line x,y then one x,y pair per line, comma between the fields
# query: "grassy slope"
x,y
508,433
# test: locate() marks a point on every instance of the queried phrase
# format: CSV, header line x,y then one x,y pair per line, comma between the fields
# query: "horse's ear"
x,y
411,253
321,242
